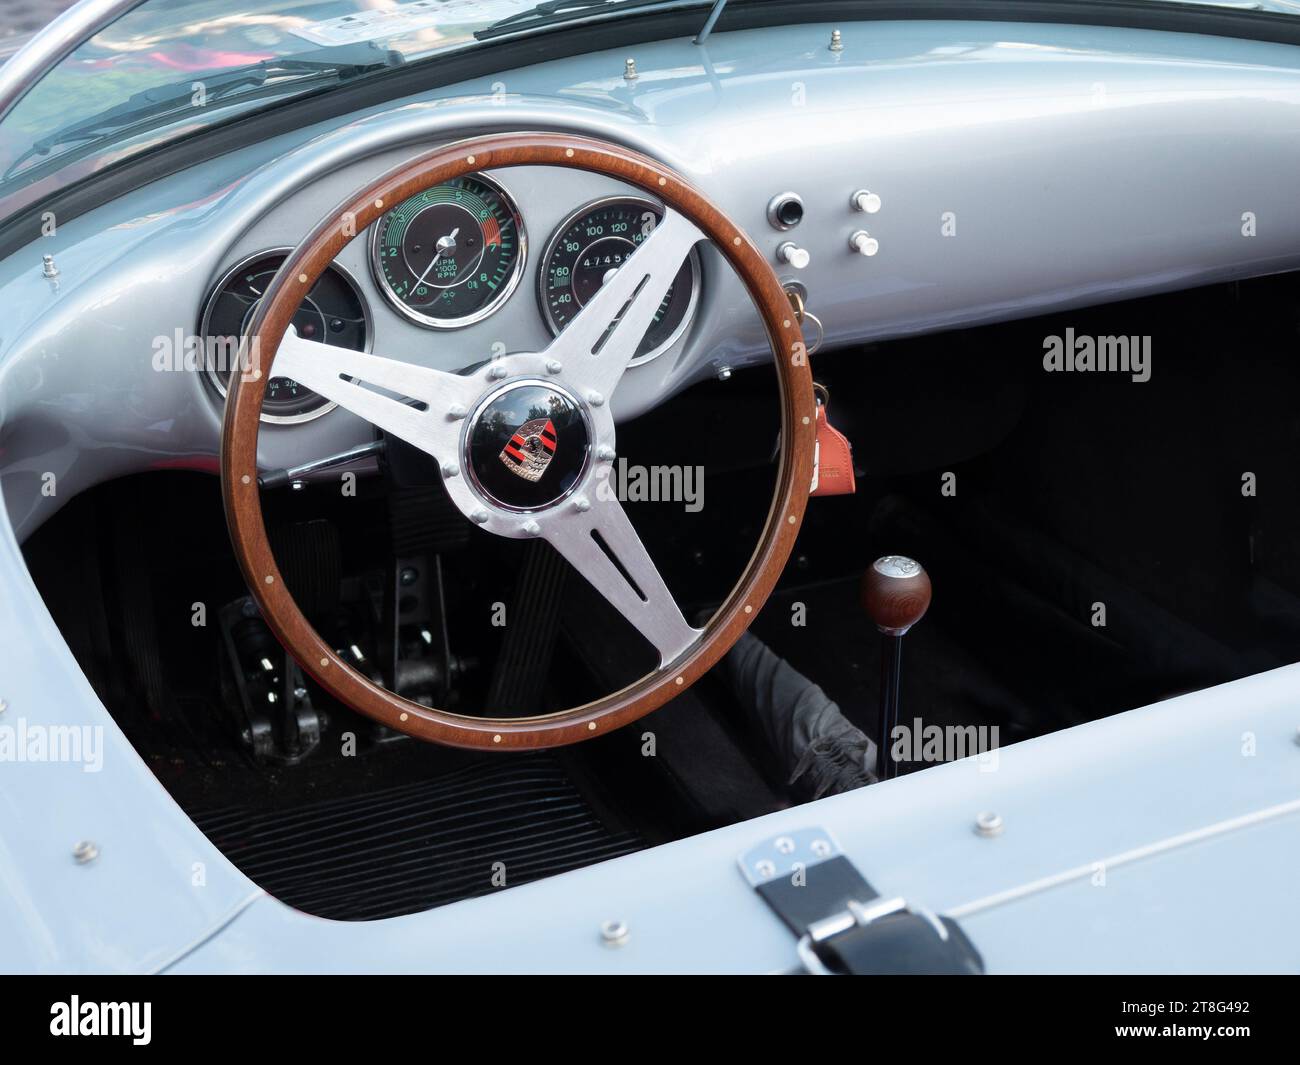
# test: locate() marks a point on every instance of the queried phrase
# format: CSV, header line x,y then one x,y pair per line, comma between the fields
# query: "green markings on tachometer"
x,y
446,257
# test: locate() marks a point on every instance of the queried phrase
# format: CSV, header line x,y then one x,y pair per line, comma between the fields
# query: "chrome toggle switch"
x,y
790,252
864,243
867,202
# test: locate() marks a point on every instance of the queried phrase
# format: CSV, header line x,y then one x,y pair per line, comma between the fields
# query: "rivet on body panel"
x,y
614,933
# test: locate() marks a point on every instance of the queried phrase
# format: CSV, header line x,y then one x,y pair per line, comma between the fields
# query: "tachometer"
x,y
589,246
331,313
451,255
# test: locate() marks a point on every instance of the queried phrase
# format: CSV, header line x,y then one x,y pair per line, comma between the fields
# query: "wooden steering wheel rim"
x,y
239,475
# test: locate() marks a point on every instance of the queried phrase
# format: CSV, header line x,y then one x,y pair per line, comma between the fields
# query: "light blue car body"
x,y
1163,839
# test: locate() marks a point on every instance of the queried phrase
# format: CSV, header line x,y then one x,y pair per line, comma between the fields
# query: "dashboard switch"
x,y
864,243
791,253
867,202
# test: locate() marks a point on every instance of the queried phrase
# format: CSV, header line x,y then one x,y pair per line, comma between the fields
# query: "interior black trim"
x,y
567,40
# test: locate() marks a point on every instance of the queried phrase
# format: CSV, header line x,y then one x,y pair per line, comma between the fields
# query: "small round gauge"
x,y
451,255
331,313
589,246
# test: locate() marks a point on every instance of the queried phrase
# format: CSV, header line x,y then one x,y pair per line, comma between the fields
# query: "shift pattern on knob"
x,y
896,593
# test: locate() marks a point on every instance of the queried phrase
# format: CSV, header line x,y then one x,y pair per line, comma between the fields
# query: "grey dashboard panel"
x,y
1021,168
1124,841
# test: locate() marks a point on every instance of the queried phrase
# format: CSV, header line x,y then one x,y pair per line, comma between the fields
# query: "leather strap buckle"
x,y
843,925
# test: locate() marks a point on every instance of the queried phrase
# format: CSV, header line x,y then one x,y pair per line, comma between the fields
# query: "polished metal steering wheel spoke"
x,y
422,406
596,347
599,541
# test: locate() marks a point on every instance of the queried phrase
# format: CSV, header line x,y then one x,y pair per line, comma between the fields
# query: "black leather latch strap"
x,y
824,888
843,924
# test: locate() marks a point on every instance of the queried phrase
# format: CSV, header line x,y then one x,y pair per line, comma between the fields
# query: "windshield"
x,y
169,67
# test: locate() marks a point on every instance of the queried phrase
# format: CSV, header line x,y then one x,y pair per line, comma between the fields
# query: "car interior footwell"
x,y
409,847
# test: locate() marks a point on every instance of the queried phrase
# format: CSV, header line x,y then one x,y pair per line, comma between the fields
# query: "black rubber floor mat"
x,y
416,846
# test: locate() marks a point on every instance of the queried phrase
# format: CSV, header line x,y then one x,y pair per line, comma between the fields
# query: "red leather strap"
x,y
834,459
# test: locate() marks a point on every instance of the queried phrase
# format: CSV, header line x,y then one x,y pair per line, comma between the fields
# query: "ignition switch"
x,y
797,295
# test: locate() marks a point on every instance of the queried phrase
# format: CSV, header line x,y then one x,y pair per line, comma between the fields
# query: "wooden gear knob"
x,y
895,593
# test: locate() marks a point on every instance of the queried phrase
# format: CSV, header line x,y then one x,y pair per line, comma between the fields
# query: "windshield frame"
x,y
53,44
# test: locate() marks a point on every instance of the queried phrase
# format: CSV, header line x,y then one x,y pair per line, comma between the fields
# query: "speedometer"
x,y
331,313
450,255
586,250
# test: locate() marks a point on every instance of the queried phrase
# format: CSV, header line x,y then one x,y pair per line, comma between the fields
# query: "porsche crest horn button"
x,y
527,445
531,449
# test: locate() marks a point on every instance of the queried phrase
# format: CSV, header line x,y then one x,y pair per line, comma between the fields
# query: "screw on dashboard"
x,y
85,851
837,42
629,70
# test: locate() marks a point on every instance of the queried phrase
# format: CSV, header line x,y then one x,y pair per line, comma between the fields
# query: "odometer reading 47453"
x,y
451,255
586,250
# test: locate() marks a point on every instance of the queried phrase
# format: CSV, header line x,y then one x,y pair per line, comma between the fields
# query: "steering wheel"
x,y
441,413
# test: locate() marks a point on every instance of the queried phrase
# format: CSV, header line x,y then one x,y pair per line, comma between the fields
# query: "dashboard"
x,y
922,176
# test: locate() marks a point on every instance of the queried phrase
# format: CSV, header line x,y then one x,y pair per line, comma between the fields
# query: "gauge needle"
x,y
444,244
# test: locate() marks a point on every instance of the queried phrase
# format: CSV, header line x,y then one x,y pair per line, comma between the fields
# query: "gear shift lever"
x,y
896,594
